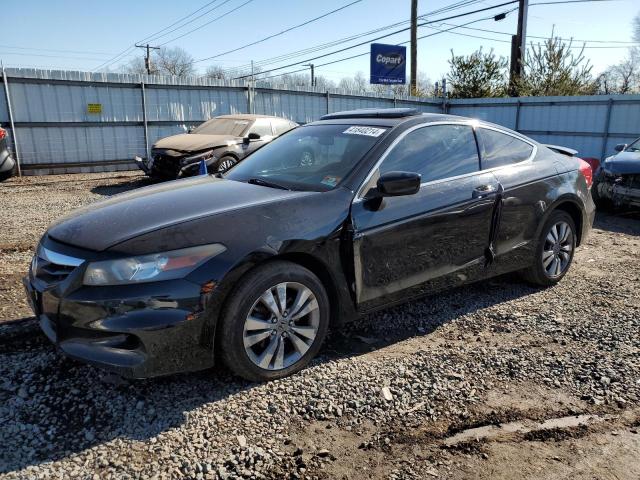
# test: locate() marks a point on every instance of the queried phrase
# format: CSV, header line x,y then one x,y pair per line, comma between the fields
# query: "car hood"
x,y
624,163
104,224
193,142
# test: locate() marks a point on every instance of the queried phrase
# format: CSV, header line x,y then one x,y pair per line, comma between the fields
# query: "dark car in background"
x,y
7,163
256,264
617,181
221,142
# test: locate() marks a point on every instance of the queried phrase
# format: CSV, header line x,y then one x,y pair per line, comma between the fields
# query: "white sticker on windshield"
x,y
368,131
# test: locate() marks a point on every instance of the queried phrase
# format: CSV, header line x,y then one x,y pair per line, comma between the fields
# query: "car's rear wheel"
x,y
226,163
274,322
554,251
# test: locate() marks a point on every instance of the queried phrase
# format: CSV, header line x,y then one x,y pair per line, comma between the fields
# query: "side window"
x,y
262,127
499,149
435,152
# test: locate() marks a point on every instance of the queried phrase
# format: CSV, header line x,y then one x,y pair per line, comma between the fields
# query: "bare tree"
x,y
166,61
216,72
175,61
358,83
622,78
636,28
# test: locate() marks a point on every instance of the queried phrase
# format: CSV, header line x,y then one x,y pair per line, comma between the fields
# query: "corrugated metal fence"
x,y
56,130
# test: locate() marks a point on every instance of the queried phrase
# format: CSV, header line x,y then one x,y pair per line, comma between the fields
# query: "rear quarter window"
x,y
499,149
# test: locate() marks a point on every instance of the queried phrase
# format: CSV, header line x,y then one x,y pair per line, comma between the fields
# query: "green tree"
x,y
551,68
478,75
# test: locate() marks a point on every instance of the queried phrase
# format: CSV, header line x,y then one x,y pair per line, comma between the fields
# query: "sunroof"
x,y
373,113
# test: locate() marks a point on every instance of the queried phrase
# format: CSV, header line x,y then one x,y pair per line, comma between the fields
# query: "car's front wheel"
x,y
274,322
226,163
554,251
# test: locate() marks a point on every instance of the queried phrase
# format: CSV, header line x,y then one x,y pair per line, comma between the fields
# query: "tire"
x,y
553,259
226,163
6,175
601,203
252,336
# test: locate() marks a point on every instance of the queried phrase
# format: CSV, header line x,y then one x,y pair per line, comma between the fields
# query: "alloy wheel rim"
x,y
558,247
226,165
281,326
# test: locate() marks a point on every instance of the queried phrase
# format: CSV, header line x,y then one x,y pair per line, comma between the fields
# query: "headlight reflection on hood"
x,y
150,268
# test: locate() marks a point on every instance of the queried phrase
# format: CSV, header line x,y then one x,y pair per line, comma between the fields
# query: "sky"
x,y
83,35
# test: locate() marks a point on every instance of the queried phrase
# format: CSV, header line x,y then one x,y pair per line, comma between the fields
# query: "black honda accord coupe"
x,y
255,265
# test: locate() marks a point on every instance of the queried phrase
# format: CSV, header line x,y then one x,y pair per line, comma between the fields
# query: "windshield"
x,y
313,158
223,126
634,147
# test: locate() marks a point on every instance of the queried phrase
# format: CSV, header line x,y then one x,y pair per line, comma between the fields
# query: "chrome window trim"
x,y
474,124
58,258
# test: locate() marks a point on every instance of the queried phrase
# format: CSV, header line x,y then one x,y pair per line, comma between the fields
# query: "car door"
x,y
527,187
411,245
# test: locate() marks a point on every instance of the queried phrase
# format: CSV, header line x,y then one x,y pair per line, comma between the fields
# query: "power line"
x,y
367,53
279,33
544,38
333,43
385,36
507,41
207,23
571,1
153,35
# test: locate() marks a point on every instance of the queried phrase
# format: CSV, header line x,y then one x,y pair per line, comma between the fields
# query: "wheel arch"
x,y
571,207
320,270
339,312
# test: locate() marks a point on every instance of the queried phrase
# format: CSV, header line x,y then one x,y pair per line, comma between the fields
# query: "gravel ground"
x,y
384,399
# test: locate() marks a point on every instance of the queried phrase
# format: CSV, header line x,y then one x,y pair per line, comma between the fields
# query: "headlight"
x,y
198,157
150,268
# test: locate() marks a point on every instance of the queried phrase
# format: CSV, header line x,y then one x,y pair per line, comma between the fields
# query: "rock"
x,y
386,394
242,441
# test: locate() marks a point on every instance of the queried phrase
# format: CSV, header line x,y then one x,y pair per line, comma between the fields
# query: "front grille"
x,y
52,272
53,267
631,181
165,165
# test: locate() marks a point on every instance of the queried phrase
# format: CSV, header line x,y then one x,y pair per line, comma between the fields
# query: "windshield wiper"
x,y
266,183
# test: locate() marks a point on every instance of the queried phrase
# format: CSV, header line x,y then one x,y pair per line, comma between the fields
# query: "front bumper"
x,y
621,191
144,164
137,331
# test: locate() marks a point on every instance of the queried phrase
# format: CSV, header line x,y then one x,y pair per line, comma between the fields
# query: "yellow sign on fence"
x,y
94,107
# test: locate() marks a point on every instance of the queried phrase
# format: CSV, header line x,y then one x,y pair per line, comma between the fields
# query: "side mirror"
x,y
251,136
396,184
620,147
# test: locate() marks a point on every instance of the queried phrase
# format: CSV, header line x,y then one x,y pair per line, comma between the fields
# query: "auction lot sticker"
x,y
368,131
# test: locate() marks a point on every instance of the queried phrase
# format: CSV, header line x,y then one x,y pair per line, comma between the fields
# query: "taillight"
x,y
587,173
594,162
3,133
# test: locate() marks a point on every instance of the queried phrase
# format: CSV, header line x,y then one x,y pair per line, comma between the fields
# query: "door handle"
x,y
484,191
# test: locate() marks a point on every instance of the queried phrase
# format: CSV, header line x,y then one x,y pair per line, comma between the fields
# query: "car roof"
x,y
250,116
384,117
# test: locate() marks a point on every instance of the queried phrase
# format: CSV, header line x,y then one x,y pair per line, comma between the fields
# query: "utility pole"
x,y
313,74
518,47
147,58
414,47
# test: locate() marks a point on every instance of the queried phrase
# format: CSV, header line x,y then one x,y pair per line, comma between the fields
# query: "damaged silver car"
x,y
617,181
